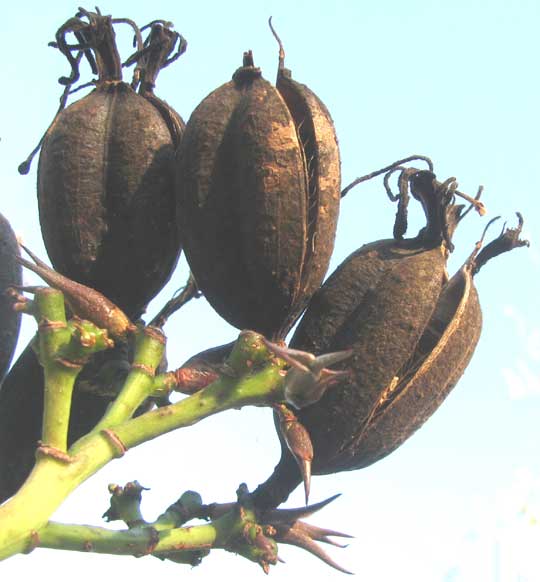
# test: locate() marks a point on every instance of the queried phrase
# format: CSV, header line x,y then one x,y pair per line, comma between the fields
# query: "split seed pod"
x,y
106,172
441,356
10,274
419,387
258,198
378,303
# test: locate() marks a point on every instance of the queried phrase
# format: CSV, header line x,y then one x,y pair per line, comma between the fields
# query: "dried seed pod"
x,y
158,53
258,198
410,397
377,303
106,172
10,274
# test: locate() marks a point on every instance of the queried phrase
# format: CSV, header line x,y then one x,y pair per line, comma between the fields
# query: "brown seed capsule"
x,y
410,396
377,303
258,198
105,177
10,274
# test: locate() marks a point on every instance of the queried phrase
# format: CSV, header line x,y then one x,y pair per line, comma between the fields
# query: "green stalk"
x,y
143,540
52,480
149,349
261,389
59,383
59,376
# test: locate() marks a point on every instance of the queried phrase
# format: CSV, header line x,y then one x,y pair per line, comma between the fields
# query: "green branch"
x,y
55,476
149,349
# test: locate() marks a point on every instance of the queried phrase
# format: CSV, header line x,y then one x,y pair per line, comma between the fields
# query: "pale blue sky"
x,y
458,81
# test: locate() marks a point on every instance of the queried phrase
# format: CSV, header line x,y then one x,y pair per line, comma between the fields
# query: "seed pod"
x,y
377,303
409,398
258,198
10,274
105,177
155,56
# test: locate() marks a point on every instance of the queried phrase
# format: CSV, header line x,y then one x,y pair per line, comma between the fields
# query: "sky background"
x,y
458,81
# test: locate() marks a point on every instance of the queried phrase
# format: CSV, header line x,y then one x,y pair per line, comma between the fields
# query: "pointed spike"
x,y
305,469
295,358
330,359
303,541
277,516
34,257
322,534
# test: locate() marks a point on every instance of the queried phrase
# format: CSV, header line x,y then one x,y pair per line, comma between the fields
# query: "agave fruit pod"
x,y
10,274
106,173
378,303
258,198
410,398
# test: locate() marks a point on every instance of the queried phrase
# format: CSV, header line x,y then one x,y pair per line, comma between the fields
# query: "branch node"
x,y
46,450
148,370
33,543
119,447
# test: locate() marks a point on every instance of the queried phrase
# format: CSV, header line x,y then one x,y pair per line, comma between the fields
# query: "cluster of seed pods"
x,y
250,189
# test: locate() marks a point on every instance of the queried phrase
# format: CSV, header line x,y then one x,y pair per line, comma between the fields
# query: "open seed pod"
x,y
10,274
106,172
258,198
378,303
410,397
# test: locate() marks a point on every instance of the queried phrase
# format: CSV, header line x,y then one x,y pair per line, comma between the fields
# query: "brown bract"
x,y
258,198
